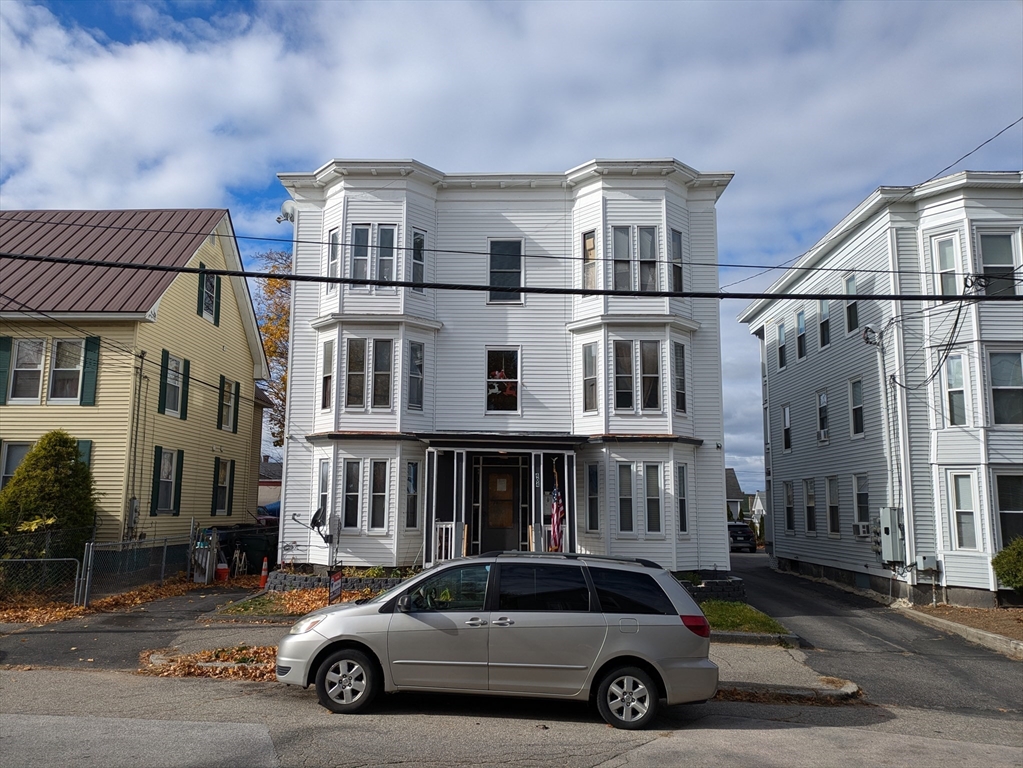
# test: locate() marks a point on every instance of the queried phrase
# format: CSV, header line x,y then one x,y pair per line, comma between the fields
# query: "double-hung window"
x,y
12,456
676,261
648,258
382,362
621,250
1009,504
852,314
955,391
856,407
589,377
418,274
229,397
327,376
810,506
998,264
800,335
412,495
350,510
650,373
592,497
223,485
174,380
781,346
1007,387
589,260
27,371
786,428
506,270
945,250
66,369
323,497
355,377
824,322
652,481
502,380
822,416
624,383
862,498
964,519
385,251
378,495
359,269
680,377
834,516
208,304
416,356
681,491
790,508
333,253
625,491
168,467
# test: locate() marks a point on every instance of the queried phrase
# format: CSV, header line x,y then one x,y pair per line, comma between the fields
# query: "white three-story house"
x,y
434,422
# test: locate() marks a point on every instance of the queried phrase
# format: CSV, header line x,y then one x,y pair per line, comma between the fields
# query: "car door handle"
x,y
475,622
503,622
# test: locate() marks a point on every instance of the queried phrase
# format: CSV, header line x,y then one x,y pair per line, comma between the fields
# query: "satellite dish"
x,y
318,519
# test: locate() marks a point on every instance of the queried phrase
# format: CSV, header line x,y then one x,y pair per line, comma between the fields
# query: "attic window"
x,y
208,305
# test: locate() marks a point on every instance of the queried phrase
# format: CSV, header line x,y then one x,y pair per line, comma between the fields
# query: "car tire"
x,y
627,698
347,682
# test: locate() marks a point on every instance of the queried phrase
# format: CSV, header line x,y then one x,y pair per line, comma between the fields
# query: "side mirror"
x,y
404,604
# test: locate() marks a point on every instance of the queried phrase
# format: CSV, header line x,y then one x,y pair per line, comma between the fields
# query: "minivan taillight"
x,y
697,624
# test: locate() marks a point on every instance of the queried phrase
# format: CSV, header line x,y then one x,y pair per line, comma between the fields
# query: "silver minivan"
x,y
618,631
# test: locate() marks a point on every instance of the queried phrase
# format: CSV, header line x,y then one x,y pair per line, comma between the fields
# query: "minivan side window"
x,y
627,592
528,587
456,589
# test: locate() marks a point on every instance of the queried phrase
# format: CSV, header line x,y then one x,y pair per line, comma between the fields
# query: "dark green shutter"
x,y
155,503
177,482
216,303
85,451
237,398
202,291
164,361
5,367
90,371
216,484
183,407
230,486
220,402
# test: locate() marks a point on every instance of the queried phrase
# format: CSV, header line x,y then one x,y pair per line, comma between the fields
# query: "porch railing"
x,y
445,533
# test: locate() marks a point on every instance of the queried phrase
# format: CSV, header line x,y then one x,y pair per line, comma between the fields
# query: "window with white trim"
x,y
26,370
945,260
355,374
13,455
810,506
824,322
1007,387
502,380
592,497
209,297
168,478
834,512
822,416
416,356
418,262
378,495
228,390
652,482
955,391
505,271
172,386
589,260
852,312
650,374
856,407
222,491
800,334
680,498
412,495
790,507
998,263
781,346
323,497
333,253
961,502
625,493
350,508
327,376
66,369
680,376
1009,504
589,377
647,258
382,363
386,238
676,261
862,498
359,269
786,428
624,383
621,251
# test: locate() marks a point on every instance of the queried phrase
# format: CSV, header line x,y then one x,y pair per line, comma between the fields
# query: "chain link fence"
x,y
43,566
112,568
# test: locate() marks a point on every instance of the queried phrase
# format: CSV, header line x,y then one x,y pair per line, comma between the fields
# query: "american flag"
x,y
557,516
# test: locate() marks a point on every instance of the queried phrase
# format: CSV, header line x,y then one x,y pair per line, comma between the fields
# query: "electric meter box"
x,y
893,535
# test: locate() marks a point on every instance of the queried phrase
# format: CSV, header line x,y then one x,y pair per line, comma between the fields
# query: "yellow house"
x,y
152,369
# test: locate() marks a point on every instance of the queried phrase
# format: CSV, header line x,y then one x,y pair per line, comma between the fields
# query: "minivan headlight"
x,y
304,625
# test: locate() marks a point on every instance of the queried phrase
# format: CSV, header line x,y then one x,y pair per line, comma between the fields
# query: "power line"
x,y
526,289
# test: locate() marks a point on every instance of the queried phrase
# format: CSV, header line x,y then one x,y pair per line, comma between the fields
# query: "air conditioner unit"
x,y
861,529
822,435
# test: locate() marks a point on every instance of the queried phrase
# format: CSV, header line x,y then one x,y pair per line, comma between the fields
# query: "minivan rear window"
x,y
529,587
628,592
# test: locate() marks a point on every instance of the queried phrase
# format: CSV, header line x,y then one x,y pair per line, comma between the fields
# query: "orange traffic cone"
x,y
264,575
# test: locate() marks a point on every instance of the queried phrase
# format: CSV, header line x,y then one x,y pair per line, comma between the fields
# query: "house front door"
x,y
499,524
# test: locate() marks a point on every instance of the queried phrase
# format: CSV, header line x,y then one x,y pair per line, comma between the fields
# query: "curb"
x,y
759,638
1000,643
846,693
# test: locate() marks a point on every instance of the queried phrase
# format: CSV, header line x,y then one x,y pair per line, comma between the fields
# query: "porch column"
x,y
430,505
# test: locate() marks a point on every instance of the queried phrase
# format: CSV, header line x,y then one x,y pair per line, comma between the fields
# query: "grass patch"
x,y
727,616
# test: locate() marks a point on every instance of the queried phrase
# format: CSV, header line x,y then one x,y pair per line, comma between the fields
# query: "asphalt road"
x,y
895,660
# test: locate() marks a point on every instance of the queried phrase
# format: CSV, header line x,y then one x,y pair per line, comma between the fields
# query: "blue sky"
x,y
811,104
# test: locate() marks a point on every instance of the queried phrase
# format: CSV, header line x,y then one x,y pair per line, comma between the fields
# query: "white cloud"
x,y
811,104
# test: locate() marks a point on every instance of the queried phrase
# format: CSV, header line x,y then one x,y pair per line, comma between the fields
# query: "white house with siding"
x,y
915,406
429,422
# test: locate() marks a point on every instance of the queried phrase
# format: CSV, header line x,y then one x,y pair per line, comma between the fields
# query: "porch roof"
x,y
519,440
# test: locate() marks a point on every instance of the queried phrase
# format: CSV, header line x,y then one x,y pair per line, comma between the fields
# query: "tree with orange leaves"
x,y
273,311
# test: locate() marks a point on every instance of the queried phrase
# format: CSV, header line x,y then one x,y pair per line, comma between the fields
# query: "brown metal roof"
x,y
163,237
